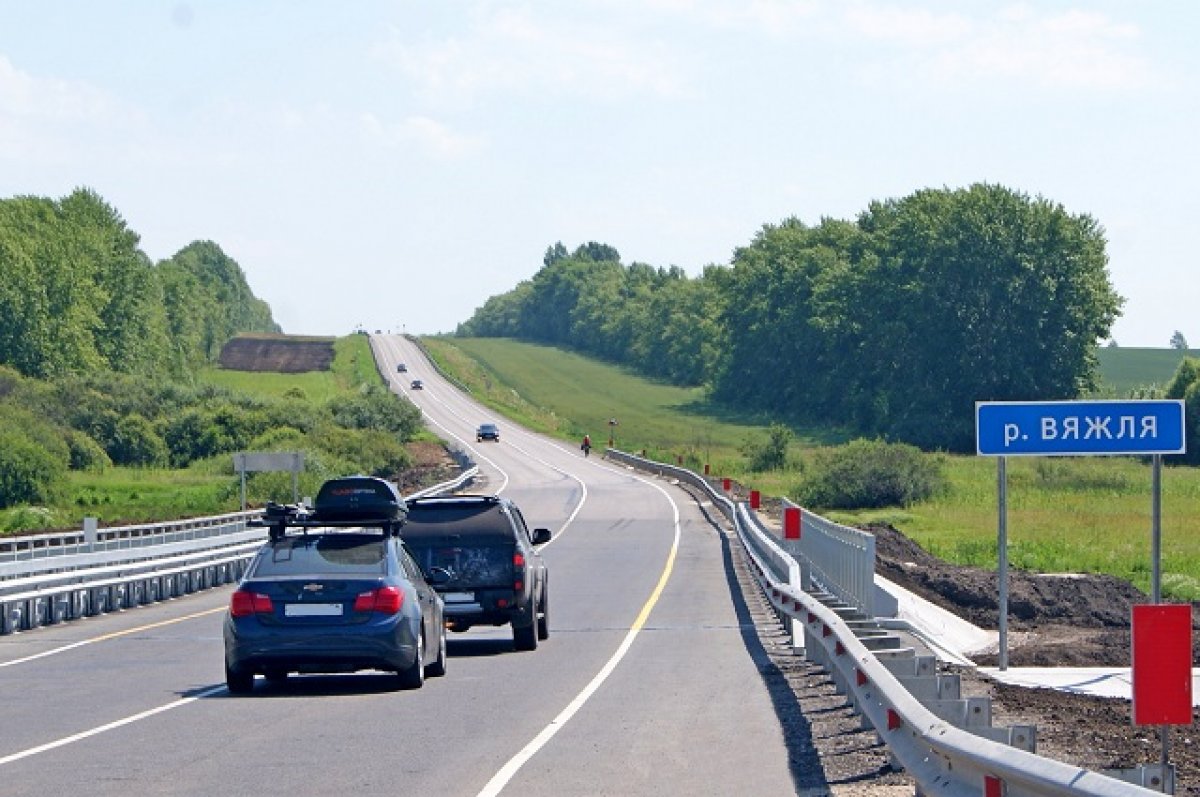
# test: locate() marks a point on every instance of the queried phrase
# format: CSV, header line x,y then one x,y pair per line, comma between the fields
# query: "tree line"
x,y
892,325
93,338
77,294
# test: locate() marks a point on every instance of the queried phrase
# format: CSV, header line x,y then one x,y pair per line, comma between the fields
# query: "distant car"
x,y
417,384
497,576
401,368
336,590
487,431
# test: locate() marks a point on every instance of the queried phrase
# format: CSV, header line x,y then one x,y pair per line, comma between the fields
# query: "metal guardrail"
x,y
81,541
948,757
59,579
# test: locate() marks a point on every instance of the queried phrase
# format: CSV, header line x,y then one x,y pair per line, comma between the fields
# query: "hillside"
x,y
1125,370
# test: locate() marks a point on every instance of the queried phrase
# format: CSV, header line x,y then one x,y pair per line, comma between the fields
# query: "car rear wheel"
x,y
238,682
437,667
525,637
414,676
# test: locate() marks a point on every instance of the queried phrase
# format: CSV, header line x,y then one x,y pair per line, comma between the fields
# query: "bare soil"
x,y
1054,620
287,354
431,465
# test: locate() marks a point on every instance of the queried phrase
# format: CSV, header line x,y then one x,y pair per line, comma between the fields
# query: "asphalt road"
x,y
646,685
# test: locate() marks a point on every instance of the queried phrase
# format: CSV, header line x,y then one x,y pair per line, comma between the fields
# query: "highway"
x,y
645,686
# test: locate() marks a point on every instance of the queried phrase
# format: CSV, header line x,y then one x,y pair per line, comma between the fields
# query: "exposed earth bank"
x,y
1054,620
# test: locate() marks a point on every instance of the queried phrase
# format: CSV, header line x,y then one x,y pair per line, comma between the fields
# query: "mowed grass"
x,y
1065,514
1125,372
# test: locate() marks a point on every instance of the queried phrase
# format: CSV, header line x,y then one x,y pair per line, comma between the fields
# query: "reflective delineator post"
x,y
755,499
791,523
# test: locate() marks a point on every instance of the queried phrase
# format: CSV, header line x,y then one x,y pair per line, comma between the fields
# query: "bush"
x,y
85,453
136,443
378,409
769,453
373,453
868,474
29,472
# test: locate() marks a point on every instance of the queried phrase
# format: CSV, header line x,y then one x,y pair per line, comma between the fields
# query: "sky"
x,y
391,164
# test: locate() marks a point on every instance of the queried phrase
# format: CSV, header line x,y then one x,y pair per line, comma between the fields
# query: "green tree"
x,y
976,294
1185,384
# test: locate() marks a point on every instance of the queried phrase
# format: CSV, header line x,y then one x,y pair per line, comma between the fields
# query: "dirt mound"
x,y
431,464
286,354
1054,620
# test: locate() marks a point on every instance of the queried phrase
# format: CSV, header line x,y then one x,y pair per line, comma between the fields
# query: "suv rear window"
x,y
475,520
470,567
324,554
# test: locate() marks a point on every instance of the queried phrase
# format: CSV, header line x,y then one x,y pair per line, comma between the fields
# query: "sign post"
x,y
279,461
1082,428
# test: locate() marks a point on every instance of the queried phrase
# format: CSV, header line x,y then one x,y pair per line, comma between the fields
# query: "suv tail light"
x,y
518,572
386,600
244,603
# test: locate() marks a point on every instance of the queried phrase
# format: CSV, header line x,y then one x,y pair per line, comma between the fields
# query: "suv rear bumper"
x,y
461,616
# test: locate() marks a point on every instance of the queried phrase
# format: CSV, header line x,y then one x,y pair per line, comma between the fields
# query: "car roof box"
x,y
358,498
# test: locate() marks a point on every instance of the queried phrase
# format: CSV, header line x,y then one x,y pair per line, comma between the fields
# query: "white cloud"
x,y
430,135
914,27
511,51
1073,49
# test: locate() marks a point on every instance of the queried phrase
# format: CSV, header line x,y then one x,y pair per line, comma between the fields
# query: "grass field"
x,y
1126,372
1065,514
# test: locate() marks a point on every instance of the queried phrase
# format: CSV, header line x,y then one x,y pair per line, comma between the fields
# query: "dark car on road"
x,y
487,431
336,590
417,384
401,368
496,574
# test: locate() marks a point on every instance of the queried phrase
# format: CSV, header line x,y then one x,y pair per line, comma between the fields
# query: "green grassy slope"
x,y
1124,371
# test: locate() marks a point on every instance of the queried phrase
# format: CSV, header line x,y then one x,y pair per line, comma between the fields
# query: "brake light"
x,y
386,600
244,603
518,571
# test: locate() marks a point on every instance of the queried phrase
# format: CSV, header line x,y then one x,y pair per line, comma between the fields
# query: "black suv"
x,y
497,576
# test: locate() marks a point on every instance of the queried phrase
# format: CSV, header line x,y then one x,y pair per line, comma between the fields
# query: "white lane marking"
x,y
494,786
113,635
42,748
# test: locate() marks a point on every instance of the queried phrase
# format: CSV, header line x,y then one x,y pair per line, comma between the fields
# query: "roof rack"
x,y
278,518
449,498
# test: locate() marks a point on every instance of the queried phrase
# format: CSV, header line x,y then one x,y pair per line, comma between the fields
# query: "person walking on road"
x,y
586,446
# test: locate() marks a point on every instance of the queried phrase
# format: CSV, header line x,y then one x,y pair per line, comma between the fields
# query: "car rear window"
x,y
327,554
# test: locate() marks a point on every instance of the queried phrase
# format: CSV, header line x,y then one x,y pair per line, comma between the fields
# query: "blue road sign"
x,y
1078,428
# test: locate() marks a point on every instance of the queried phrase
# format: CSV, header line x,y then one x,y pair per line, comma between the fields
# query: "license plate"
x,y
459,597
312,610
